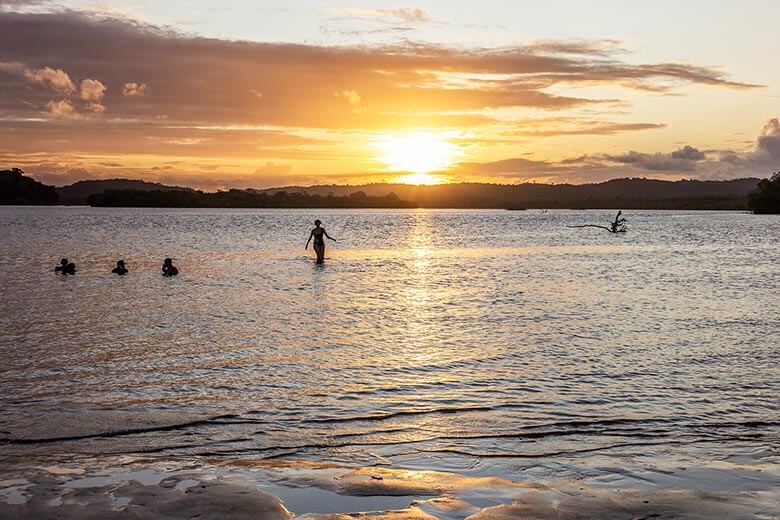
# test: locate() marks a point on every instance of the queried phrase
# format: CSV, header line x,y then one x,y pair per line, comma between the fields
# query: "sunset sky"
x,y
256,94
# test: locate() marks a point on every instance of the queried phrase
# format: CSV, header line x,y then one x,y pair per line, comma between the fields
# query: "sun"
x,y
418,153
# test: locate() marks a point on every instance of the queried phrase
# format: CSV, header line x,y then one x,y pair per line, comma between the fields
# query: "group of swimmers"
x,y
168,269
66,267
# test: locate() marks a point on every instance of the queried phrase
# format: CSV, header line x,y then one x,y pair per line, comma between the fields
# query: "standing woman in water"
x,y
319,234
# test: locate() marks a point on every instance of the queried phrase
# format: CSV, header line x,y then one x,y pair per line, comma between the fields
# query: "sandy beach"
x,y
137,488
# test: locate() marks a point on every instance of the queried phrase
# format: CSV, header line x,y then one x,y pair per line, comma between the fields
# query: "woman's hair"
x,y
317,222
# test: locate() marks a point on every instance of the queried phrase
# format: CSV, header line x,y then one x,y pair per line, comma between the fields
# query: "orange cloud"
x,y
92,90
135,89
63,108
401,81
58,80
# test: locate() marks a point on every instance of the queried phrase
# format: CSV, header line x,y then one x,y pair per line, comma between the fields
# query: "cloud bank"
x,y
76,104
685,162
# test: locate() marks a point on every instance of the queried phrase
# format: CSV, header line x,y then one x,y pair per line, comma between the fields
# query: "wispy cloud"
x,y
658,162
593,47
398,14
573,126
16,5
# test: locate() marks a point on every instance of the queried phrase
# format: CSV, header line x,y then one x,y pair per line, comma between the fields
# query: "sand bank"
x,y
276,490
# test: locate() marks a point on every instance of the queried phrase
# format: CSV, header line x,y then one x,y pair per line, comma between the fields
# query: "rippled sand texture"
x,y
484,343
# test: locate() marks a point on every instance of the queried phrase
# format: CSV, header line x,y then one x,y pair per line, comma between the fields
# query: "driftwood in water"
x,y
616,226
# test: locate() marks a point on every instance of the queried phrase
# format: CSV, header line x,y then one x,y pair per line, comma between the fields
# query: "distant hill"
x,y
16,188
241,199
78,192
613,194
616,193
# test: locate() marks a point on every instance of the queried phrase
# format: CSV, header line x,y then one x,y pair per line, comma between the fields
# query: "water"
x,y
482,342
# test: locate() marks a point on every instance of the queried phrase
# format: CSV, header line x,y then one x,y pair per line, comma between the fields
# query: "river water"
x,y
480,342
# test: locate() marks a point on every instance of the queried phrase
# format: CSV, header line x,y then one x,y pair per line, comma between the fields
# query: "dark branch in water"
x,y
616,226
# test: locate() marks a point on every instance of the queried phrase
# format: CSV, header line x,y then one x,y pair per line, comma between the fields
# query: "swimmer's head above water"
x,y
66,267
168,268
120,267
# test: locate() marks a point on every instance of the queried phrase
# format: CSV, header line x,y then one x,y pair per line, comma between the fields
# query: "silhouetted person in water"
x,y
65,267
319,234
168,268
120,267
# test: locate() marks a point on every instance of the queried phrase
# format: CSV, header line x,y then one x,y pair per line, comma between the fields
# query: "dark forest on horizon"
x,y
762,196
240,199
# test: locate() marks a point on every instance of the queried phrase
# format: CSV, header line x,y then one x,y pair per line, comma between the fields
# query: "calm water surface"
x,y
458,339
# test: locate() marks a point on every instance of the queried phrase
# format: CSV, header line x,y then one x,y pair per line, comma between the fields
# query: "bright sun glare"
x,y
418,153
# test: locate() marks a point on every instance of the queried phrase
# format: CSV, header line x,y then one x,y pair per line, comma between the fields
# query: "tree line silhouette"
x,y
16,188
766,197
241,199
762,196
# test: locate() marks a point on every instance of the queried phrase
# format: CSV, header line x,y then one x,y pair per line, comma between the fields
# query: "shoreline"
x,y
529,209
138,487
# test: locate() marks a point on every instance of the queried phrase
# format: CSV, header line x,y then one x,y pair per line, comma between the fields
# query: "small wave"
x,y
402,413
561,453
116,433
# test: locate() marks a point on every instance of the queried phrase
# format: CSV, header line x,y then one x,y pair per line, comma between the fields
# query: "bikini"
x,y
318,237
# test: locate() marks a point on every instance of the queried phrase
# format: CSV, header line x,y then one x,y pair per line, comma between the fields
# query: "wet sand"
x,y
131,488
